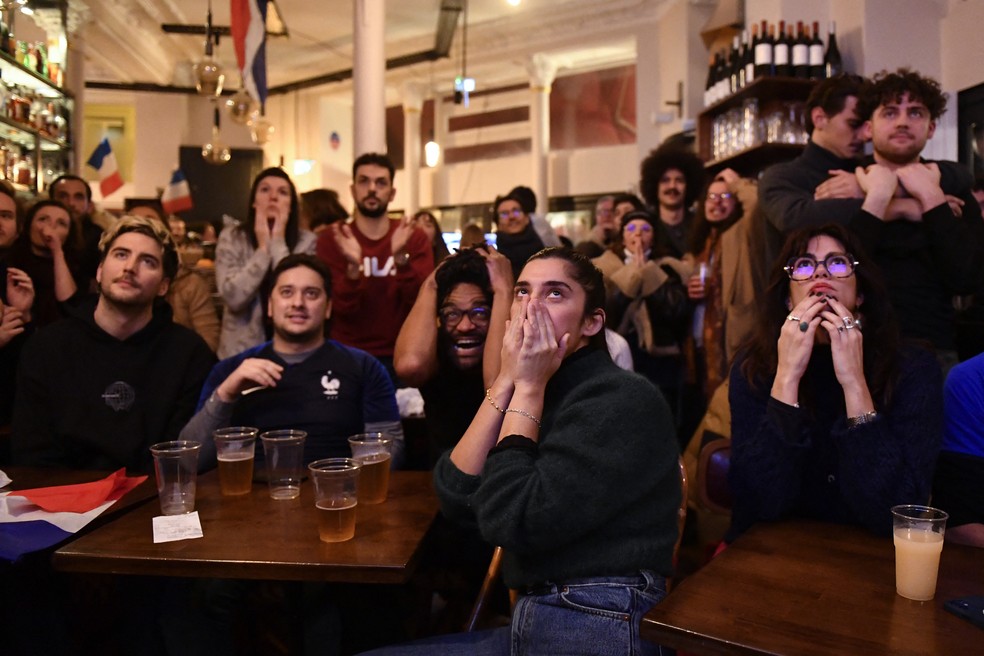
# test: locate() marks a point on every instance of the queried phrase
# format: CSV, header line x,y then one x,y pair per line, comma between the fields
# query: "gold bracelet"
x,y
525,414
488,395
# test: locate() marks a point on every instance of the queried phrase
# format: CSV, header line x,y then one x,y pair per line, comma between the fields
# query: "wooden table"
x,y
256,537
804,588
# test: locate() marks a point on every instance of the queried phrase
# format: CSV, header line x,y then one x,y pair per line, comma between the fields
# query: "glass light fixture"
x,y
208,72
260,129
216,152
432,153
240,107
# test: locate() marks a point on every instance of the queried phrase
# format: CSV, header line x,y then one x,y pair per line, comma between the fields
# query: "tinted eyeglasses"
x,y
642,227
838,265
505,214
727,195
451,316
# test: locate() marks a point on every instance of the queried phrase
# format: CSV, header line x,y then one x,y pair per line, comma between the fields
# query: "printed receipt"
x,y
170,528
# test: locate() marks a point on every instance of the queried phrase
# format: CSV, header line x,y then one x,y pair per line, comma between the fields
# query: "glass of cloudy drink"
x,y
918,542
335,498
372,450
235,447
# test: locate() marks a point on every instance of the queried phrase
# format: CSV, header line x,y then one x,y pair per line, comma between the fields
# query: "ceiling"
x,y
122,42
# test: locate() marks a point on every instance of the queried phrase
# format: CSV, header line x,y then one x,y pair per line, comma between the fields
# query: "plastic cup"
x,y
373,452
335,497
283,451
235,448
918,534
176,470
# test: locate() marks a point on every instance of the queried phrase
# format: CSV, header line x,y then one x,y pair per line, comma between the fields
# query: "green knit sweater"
x,y
597,497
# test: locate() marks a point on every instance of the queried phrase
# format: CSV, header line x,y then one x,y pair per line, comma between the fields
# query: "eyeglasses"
x,y
727,195
632,227
838,265
513,213
451,316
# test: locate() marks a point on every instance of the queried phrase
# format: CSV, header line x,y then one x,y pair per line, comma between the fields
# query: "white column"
x,y
542,72
369,76
413,103
440,178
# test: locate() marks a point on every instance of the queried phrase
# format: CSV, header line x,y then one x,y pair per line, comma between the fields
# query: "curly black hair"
x,y
465,266
664,158
890,87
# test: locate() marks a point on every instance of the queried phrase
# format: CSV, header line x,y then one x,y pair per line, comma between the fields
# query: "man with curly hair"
x,y
671,179
921,228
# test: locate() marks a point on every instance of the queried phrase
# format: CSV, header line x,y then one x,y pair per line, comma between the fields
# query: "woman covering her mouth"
x,y
833,418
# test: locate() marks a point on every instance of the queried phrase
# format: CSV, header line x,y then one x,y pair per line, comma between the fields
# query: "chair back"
x,y
713,490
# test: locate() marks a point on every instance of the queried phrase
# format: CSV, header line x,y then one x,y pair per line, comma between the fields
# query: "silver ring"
x,y
848,321
849,327
840,329
790,317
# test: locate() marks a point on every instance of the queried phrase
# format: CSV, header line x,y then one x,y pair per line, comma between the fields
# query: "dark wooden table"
x,y
256,537
804,588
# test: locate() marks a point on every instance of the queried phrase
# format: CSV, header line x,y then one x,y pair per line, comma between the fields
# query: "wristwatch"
x,y
401,259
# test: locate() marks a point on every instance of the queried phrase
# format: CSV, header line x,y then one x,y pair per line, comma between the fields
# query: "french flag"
x,y
248,28
177,195
104,161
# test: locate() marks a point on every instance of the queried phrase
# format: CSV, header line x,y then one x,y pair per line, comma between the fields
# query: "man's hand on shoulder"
x,y
250,374
840,184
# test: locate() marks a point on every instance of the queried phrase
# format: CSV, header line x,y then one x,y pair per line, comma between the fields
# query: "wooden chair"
x,y
495,564
713,491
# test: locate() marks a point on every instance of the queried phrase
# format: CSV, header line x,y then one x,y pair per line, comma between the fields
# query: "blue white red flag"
x,y
248,28
104,161
177,194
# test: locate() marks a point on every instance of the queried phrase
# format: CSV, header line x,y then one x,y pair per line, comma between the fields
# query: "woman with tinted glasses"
x,y
832,417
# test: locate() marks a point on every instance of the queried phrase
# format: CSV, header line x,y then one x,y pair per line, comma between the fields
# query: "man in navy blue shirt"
x,y
300,379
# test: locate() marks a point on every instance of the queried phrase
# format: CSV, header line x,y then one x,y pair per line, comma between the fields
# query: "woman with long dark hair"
x,y
570,465
428,223
247,253
833,418
48,250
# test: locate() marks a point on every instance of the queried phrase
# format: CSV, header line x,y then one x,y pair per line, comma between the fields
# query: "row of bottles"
x,y
17,163
26,106
766,52
31,55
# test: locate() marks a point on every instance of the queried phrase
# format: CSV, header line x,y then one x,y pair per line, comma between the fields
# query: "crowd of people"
x,y
815,304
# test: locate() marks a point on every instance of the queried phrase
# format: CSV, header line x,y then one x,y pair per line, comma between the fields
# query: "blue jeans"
x,y
597,616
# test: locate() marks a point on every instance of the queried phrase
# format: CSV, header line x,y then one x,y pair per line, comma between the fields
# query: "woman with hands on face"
x,y
247,253
46,251
562,428
833,417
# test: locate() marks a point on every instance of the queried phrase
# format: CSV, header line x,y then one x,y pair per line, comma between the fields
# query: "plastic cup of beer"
x,y
336,483
235,447
918,542
176,470
283,451
372,450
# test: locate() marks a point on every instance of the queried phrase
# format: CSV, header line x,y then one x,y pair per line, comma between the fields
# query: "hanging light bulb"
x,y
216,152
240,106
208,72
260,129
432,153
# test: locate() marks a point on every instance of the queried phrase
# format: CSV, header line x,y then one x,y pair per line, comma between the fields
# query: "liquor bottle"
x,y
816,53
722,86
734,64
763,53
801,53
750,55
832,63
780,53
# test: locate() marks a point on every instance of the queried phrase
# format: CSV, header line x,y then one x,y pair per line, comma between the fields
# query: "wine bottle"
x,y
801,53
832,63
743,60
709,85
722,87
816,53
750,55
763,53
734,64
780,53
